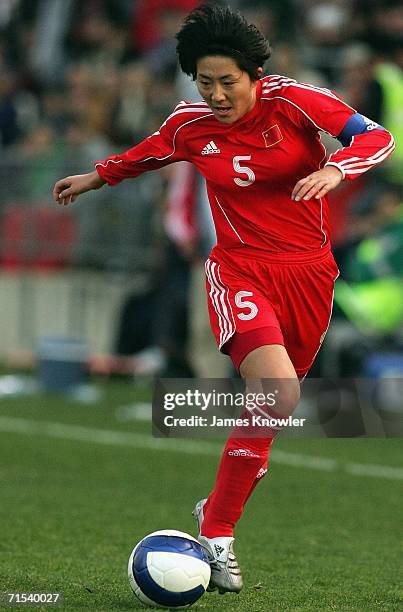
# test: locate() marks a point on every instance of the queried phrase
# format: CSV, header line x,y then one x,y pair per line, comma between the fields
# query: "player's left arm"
x,y
317,184
365,145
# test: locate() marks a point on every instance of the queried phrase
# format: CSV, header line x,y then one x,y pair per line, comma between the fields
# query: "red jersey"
x,y
252,165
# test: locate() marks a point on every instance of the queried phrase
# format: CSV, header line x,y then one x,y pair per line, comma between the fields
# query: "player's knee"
x,y
280,396
268,369
287,396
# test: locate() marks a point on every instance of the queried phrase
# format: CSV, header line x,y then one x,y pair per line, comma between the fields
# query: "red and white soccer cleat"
x,y
225,572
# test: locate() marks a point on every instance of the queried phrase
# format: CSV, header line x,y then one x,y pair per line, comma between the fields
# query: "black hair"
x,y
211,29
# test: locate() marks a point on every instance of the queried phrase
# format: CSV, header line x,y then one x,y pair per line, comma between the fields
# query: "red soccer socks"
x,y
243,463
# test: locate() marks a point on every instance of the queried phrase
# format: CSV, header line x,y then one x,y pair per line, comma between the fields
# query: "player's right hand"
x,y
68,189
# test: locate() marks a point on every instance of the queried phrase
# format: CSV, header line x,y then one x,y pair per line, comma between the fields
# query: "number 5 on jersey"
x,y
241,169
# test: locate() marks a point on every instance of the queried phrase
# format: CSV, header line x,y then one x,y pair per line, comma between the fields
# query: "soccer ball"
x,y
169,569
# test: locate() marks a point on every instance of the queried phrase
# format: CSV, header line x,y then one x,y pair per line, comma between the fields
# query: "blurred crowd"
x,y
80,79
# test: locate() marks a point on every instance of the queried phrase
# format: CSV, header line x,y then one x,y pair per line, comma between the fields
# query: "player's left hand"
x,y
317,184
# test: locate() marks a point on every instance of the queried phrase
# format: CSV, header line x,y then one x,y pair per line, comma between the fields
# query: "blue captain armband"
x,y
357,124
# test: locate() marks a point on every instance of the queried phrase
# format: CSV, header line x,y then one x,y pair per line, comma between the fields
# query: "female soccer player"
x,y
270,277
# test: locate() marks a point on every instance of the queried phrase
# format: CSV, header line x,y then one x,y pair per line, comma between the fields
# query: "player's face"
x,y
228,90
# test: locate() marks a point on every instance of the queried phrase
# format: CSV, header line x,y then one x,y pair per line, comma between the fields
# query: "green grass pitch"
x,y
71,510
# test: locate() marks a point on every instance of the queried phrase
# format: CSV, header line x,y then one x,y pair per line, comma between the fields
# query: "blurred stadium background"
x,y
116,281
122,270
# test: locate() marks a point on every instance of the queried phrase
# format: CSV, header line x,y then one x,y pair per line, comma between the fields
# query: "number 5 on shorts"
x,y
241,303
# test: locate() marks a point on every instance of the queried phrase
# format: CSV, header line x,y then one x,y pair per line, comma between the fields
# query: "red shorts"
x,y
256,299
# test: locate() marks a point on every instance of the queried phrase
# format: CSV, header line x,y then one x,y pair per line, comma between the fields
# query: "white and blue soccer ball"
x,y
169,569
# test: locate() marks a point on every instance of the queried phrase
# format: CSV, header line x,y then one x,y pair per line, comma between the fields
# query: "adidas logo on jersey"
x,y
211,147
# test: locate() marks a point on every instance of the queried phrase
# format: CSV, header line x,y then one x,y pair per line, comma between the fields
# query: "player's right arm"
x,y
165,146
68,189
